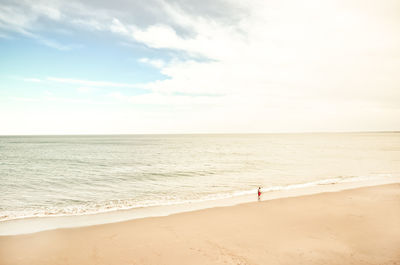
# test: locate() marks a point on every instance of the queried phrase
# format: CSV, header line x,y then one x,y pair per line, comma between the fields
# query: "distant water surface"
x,y
68,175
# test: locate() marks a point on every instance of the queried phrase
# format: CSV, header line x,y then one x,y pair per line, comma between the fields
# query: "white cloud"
x,y
55,44
283,65
24,18
85,89
307,49
117,27
89,82
157,63
89,23
50,97
51,12
34,80
24,99
300,64
155,98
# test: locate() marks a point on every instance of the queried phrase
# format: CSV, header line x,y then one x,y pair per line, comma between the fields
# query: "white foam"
x,y
121,211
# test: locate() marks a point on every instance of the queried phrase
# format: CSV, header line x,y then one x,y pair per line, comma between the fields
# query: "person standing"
x,y
259,193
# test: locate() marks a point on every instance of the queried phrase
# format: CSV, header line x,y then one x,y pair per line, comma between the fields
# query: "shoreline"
x,y
355,226
45,223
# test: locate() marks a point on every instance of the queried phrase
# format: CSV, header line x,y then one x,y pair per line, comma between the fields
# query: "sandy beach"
x,y
358,226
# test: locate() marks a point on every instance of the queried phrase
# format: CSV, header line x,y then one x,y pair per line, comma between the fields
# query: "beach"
x,y
357,226
199,132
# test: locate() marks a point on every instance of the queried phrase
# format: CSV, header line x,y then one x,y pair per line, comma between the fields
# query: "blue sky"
x,y
93,67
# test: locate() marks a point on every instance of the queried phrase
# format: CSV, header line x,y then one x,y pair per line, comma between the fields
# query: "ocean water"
x,y
77,175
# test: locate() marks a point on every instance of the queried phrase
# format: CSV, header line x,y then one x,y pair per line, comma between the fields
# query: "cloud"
x,y
5,36
26,18
85,89
271,62
255,46
56,45
51,98
24,99
89,82
282,50
35,80
155,98
157,63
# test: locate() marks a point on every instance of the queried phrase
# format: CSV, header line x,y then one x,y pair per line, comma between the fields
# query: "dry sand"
x,y
360,226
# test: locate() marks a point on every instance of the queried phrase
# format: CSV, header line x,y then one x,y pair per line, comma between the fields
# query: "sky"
x,y
188,66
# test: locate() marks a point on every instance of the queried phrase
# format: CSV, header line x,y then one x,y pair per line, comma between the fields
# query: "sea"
x,y
48,177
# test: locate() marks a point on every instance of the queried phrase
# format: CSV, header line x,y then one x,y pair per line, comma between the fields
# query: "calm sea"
x,y
73,175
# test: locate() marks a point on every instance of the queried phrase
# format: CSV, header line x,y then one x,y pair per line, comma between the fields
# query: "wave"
x,y
115,205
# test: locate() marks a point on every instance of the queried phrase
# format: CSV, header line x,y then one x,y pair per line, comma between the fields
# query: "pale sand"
x,y
360,226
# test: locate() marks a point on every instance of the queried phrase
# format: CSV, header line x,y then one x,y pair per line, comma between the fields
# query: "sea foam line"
x,y
117,205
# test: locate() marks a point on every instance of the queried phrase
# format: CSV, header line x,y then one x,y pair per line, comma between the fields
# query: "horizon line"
x,y
200,133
